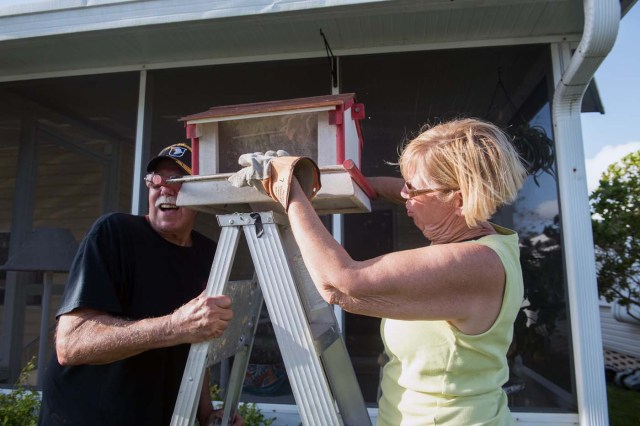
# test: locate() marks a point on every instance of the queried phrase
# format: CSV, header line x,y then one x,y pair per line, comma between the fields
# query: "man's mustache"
x,y
165,199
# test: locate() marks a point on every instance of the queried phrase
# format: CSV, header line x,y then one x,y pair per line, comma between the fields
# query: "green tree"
x,y
615,206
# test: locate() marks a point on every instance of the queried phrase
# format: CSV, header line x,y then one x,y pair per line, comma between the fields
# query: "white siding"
x,y
621,337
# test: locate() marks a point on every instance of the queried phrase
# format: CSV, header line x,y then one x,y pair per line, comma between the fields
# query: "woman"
x,y
447,308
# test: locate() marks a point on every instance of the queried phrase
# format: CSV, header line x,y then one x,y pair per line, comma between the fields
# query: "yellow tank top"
x,y
437,375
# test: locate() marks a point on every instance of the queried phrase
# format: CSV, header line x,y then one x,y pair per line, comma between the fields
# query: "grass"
x,y
624,406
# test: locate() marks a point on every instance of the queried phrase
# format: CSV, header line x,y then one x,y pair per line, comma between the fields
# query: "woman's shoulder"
x,y
502,235
505,242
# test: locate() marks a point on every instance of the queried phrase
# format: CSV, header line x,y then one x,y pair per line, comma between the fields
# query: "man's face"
x,y
172,222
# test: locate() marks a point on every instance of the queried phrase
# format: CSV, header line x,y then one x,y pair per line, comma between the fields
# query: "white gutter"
x,y
602,18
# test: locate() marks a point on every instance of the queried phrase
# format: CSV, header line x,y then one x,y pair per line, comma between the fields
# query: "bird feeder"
x,y
323,128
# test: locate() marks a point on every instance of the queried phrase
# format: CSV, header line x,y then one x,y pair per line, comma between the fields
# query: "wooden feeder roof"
x,y
265,108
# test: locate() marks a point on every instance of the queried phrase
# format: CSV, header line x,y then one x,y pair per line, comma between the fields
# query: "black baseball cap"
x,y
180,153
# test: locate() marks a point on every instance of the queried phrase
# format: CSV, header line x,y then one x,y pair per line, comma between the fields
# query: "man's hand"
x,y
203,318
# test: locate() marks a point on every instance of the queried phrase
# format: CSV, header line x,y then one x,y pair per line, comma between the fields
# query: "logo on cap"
x,y
176,151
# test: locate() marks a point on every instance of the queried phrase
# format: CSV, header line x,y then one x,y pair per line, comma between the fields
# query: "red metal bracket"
x,y
357,111
359,179
195,156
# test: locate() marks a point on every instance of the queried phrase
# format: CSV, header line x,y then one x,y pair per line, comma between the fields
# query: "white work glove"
x,y
256,168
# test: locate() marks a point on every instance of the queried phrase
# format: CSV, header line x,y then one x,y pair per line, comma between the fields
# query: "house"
x,y
89,91
620,330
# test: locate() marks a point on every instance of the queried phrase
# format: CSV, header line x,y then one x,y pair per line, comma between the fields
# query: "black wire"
x,y
332,61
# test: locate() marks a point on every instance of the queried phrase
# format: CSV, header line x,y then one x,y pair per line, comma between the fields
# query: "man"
x,y
133,303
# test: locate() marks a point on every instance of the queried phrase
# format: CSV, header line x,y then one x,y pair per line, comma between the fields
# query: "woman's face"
x,y
434,217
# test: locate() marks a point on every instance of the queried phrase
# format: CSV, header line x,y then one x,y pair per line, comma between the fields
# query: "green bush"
x,y
252,415
20,407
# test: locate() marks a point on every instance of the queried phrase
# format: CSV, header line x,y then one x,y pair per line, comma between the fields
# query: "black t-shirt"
x,y
123,267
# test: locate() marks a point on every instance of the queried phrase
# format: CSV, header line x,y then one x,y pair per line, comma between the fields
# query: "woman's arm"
x,y
87,336
387,187
461,283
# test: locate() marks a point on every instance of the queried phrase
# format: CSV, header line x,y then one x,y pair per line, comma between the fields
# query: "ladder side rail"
x,y
308,382
317,309
344,384
240,363
328,340
184,412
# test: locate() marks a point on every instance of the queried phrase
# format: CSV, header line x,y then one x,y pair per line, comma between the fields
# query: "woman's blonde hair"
x,y
469,155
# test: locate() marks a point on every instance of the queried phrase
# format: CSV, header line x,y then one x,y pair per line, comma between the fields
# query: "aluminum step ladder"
x,y
316,360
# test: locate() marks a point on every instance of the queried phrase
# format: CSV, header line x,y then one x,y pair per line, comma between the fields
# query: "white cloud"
x,y
547,209
608,155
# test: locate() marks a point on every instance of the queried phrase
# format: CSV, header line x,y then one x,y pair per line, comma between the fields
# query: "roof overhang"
x,y
54,38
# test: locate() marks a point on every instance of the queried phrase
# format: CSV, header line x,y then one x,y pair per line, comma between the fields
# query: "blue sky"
x,y
610,136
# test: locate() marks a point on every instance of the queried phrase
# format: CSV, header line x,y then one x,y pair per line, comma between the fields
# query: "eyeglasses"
x,y
413,192
155,181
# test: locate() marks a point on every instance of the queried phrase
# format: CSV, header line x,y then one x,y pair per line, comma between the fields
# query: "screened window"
x,y
401,93
66,157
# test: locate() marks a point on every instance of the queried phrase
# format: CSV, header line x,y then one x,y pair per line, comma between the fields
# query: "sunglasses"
x,y
414,192
155,181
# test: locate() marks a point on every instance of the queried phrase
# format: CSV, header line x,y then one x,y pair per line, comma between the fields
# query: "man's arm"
x,y
87,336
